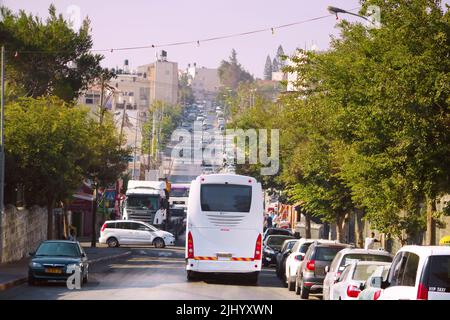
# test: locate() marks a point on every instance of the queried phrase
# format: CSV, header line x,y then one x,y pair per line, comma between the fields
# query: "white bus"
x,y
224,226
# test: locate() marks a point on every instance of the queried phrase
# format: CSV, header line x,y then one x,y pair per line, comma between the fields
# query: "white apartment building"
x,y
205,82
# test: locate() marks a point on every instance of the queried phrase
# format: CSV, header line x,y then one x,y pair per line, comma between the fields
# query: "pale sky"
x,y
145,22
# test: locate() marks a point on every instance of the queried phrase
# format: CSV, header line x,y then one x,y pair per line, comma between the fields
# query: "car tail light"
x,y
103,227
257,255
422,292
190,246
311,265
376,295
298,257
353,291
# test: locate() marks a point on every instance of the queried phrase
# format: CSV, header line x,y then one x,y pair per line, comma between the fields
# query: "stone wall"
x,y
22,231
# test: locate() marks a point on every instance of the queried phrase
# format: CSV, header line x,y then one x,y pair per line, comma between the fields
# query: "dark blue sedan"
x,y
53,260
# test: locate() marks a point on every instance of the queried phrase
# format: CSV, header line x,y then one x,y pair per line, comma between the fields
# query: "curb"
x,y
19,281
13,283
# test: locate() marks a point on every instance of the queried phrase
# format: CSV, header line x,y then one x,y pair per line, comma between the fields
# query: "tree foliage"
x,y
231,73
268,68
47,57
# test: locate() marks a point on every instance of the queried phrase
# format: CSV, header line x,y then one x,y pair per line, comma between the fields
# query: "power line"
x,y
199,41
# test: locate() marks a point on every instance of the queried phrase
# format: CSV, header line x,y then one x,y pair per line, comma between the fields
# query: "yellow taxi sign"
x,y
445,241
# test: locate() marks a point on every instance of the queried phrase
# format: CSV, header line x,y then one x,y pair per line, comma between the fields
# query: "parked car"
x,y
271,247
282,255
294,260
118,232
277,231
53,259
345,257
352,279
418,273
370,290
311,272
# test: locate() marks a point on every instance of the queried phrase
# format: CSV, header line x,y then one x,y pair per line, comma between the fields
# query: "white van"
x,y
224,226
418,273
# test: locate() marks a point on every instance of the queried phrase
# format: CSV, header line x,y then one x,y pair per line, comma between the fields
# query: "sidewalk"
x,y
16,273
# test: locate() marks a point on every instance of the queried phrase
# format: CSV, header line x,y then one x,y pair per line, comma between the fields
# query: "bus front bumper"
x,y
220,266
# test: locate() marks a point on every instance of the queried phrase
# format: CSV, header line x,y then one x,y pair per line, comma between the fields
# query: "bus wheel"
x,y
253,279
159,243
190,275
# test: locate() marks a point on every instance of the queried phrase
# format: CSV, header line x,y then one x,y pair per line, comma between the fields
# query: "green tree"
x,y
268,69
46,144
231,73
280,57
47,58
275,65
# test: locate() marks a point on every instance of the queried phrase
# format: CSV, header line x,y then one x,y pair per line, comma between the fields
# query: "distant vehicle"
x,y
224,226
53,260
343,258
286,249
272,246
294,260
199,118
120,232
179,195
351,281
311,271
277,231
144,200
418,273
208,170
371,292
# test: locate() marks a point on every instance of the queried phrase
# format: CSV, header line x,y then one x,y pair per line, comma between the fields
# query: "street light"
x,y
335,11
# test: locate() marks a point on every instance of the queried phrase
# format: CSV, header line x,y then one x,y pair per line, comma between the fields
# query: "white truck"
x,y
144,201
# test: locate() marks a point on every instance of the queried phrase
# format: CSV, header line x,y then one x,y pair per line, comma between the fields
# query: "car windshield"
x,y
439,276
304,247
139,201
277,241
363,272
348,258
327,253
63,249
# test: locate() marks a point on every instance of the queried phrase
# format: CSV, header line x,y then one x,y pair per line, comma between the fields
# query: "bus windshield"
x,y
226,197
179,192
142,201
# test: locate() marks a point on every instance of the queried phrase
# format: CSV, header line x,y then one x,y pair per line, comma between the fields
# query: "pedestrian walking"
x,y
72,236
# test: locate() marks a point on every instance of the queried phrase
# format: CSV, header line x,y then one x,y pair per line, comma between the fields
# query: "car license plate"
x,y
224,256
53,270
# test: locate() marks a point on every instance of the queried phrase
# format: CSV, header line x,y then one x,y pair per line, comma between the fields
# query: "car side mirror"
x,y
362,286
31,254
83,255
327,269
376,282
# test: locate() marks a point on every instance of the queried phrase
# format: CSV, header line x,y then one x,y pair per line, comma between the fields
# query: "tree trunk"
x,y
50,205
431,224
65,220
307,226
340,222
94,219
359,228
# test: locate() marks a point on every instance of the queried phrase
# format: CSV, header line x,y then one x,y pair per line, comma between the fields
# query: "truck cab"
x,y
144,199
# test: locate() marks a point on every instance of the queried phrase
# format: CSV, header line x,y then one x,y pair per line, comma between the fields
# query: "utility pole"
x,y
2,149
135,148
95,195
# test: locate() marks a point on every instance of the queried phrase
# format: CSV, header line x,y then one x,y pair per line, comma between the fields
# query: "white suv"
x,y
418,272
117,232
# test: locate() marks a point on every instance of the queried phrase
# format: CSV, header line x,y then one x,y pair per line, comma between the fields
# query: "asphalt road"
x,y
154,274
